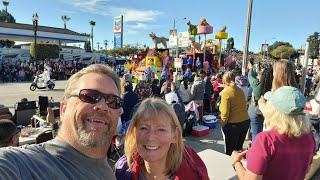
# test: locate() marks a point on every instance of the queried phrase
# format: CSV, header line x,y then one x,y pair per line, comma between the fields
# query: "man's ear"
x,y
63,107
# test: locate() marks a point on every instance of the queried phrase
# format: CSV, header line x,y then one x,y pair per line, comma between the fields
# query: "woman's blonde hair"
x,y
229,79
154,107
291,125
95,68
284,74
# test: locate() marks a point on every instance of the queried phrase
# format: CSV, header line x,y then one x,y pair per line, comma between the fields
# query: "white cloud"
x,y
105,8
140,25
134,18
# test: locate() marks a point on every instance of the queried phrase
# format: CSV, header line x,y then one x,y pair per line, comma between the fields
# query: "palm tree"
x,y
92,23
65,19
106,43
6,4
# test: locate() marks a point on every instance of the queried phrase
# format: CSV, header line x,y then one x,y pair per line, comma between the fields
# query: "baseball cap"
x,y
287,99
171,98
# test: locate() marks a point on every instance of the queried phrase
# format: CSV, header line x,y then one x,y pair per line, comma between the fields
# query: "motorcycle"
x,y
42,81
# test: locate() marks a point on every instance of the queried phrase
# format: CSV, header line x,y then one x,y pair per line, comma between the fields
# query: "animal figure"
x,y
203,22
157,40
196,47
190,26
224,28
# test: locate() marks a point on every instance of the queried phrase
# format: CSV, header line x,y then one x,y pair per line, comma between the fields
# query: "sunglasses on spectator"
x,y
93,97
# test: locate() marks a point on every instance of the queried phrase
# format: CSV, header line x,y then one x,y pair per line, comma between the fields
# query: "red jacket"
x,y
216,87
192,167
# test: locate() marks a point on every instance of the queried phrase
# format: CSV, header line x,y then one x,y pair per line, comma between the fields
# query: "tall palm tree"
x,y
65,19
106,44
92,23
6,4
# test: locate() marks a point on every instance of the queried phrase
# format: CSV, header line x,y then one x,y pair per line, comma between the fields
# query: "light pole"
x,y
176,31
246,44
266,53
35,19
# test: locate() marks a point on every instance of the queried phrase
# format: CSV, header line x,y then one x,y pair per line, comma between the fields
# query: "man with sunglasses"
x,y
89,113
9,133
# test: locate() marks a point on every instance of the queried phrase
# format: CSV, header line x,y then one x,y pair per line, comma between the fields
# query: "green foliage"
x,y
125,51
3,15
86,34
44,51
314,45
283,52
230,44
277,44
92,23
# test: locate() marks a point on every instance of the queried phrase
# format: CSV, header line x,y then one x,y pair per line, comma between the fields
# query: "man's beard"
x,y
87,135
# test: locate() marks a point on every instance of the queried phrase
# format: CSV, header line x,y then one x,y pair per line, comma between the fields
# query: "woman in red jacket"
x,y
154,147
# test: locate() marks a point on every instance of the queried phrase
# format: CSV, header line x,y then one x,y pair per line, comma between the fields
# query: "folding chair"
x,y
24,112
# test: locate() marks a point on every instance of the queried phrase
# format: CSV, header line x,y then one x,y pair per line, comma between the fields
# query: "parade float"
x,y
207,53
157,59
220,35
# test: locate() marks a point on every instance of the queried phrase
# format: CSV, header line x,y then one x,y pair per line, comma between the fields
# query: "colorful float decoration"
x,y
204,28
222,34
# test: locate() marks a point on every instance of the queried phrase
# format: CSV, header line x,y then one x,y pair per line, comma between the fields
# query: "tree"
x,y
277,44
92,23
314,45
283,52
230,44
106,44
65,19
6,4
4,16
125,51
44,51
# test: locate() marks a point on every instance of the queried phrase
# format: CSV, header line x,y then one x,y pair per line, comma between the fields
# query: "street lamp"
x,y
266,49
176,31
35,19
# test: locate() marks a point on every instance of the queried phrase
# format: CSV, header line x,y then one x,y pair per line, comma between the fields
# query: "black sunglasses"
x,y
93,97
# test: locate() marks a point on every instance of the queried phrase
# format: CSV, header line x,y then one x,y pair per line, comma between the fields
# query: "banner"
x,y
118,31
184,39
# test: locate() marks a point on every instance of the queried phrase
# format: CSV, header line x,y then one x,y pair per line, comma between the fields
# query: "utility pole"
x,y
246,44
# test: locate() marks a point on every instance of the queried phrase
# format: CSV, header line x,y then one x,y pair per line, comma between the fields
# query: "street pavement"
x,y
11,93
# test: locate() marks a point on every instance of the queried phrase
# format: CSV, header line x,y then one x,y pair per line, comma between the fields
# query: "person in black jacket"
x,y
130,99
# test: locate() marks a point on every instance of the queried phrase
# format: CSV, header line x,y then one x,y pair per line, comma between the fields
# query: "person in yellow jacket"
x,y
234,116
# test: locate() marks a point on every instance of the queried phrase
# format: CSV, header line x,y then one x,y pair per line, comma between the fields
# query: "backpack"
x,y
190,122
179,109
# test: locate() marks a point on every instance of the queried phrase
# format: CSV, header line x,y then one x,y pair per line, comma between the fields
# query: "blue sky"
x,y
272,20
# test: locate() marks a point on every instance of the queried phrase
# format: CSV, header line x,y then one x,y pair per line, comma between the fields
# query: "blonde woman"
x,y
283,74
234,115
287,143
154,148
